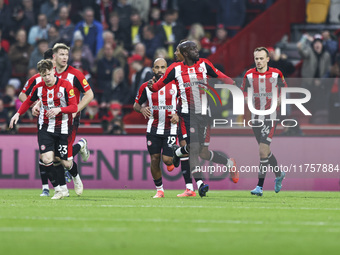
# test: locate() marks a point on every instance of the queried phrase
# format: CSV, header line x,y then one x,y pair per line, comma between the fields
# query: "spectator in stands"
x,y
155,17
330,43
197,33
5,45
124,9
116,127
165,5
4,117
316,64
91,30
51,9
39,31
105,8
92,111
171,32
151,41
193,11
81,63
135,31
143,73
139,50
5,16
115,28
53,36
64,25
232,15
142,7
38,53
117,89
334,98
18,21
19,54
162,53
220,38
29,10
78,42
105,66
5,69
280,61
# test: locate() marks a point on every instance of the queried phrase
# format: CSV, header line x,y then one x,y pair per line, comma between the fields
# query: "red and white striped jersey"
x,y
191,82
262,85
162,104
76,78
62,95
30,83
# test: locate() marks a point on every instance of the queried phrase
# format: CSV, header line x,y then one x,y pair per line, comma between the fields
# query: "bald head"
x,y
159,67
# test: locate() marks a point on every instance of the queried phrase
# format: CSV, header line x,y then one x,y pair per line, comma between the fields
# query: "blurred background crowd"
x,y
114,43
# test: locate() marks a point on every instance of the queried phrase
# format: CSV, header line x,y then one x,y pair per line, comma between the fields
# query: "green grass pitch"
x,y
131,222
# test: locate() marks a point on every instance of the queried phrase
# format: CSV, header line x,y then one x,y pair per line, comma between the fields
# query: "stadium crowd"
x,y
114,43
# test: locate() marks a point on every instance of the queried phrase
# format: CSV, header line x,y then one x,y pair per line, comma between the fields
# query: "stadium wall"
x,y
122,162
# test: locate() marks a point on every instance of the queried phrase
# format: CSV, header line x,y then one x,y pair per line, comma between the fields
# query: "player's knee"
x,y
155,158
205,154
46,159
264,153
167,161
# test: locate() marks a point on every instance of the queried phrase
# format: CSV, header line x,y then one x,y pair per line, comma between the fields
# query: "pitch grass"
x,y
131,222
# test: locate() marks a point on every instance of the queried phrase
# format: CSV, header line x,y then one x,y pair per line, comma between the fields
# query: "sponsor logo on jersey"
x,y
271,80
60,94
71,92
200,69
85,82
172,92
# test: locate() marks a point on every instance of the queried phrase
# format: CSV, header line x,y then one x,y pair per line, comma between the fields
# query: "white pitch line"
x,y
162,220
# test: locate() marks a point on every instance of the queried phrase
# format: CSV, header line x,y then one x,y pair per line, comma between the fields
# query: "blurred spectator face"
x,y
140,49
53,33
76,55
108,50
115,109
42,47
18,13
28,4
135,19
155,13
196,31
221,34
147,34
317,46
122,2
61,57
169,18
109,37
10,91
118,75
21,37
93,108
1,102
114,19
161,53
326,35
42,20
63,13
89,16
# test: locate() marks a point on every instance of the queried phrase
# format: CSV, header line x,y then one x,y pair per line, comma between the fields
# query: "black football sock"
x,y
262,171
273,164
185,168
75,149
218,158
51,172
158,184
60,173
43,174
74,170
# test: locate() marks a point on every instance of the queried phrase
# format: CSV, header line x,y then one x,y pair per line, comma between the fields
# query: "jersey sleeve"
x,y
80,82
168,77
71,100
281,82
141,95
33,96
29,85
245,84
215,73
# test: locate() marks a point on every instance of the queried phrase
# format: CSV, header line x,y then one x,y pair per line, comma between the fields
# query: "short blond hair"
x,y
59,46
44,65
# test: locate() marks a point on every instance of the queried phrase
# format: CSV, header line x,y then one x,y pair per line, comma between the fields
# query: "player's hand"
x,y
174,118
146,112
74,115
36,110
51,113
151,82
14,120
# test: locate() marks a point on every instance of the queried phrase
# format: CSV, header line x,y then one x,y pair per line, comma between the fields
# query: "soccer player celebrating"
x,y
264,81
162,124
190,77
80,85
58,102
80,146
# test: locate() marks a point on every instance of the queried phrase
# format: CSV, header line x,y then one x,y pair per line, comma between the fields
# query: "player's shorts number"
x,y
62,149
265,130
171,140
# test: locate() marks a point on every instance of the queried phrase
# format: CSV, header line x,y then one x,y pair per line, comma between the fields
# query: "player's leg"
x,y
185,168
61,176
69,164
46,148
217,157
154,145
44,180
183,150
